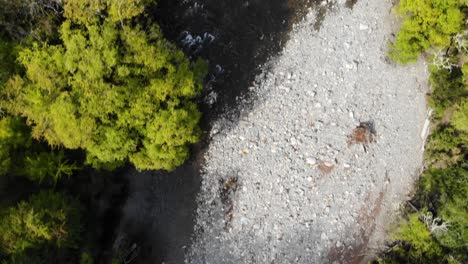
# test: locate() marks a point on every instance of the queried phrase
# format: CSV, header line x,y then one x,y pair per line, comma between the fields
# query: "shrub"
x,y
460,117
448,89
421,245
13,134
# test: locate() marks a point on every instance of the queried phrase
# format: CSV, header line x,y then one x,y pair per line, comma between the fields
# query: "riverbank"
x,y
289,179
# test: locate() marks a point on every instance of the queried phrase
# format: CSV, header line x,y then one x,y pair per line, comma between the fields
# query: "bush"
x,y
445,147
422,247
448,89
460,117
47,218
117,91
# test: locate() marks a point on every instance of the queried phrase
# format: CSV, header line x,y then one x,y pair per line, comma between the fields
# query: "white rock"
x,y
311,161
363,27
324,236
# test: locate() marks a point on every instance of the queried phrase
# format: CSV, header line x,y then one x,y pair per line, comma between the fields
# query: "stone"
x,y
324,236
363,27
311,161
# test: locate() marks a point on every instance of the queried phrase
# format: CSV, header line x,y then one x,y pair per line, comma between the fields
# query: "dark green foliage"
x,y
86,258
445,147
14,132
444,185
21,156
121,93
446,190
26,257
7,60
48,218
448,88
460,117
50,166
13,135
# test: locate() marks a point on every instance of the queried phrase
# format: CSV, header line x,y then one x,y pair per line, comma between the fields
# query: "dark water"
x,y
159,212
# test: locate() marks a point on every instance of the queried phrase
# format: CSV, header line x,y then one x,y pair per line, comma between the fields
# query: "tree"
x,y
120,92
426,24
47,218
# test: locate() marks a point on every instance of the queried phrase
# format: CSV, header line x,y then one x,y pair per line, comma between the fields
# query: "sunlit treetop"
x,y
120,92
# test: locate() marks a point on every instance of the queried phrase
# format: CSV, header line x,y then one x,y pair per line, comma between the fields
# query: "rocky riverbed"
x,y
323,152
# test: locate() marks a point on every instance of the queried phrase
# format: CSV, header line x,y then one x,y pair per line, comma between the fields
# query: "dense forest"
x,y
435,228
84,85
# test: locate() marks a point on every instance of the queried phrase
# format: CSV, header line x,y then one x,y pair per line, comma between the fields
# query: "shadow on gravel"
x,y
159,214
246,34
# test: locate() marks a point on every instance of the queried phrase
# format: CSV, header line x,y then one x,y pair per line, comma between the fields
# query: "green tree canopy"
x,y
118,91
48,218
427,23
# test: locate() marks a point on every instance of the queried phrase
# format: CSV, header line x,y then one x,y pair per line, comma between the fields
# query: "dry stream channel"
x,y
313,138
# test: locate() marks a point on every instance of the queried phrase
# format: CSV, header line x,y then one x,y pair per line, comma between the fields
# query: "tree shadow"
x,y
159,214
246,34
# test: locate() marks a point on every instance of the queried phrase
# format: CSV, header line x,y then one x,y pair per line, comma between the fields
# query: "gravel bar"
x,y
288,180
